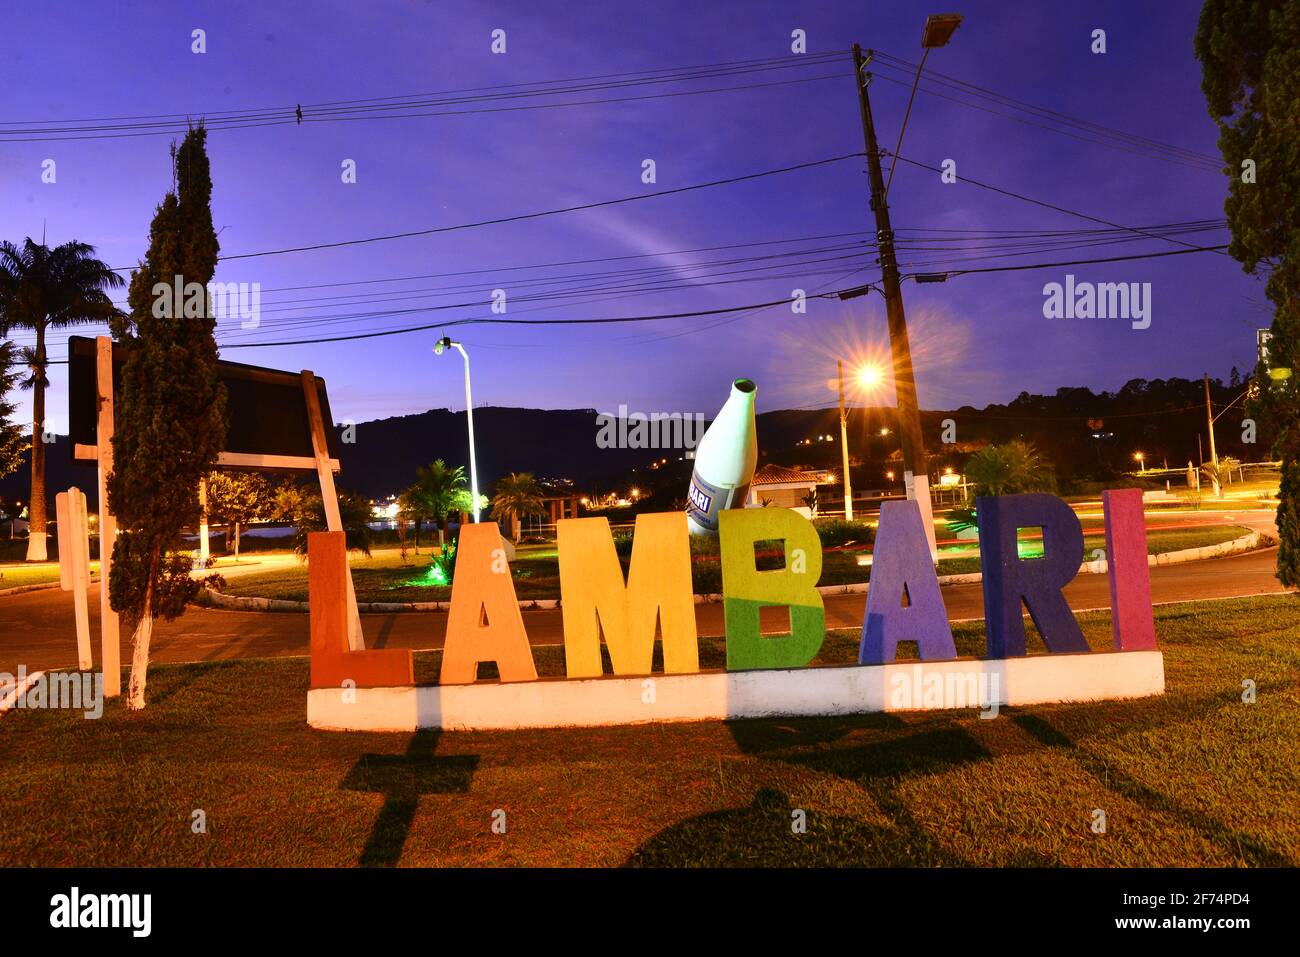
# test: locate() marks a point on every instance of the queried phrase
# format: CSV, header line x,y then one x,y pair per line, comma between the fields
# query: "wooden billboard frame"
x,y
101,453
230,373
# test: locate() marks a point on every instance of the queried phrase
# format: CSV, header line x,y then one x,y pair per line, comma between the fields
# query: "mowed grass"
x,y
18,575
1193,777
386,577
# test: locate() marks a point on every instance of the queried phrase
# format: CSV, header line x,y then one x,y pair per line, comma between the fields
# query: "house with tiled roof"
x,y
782,487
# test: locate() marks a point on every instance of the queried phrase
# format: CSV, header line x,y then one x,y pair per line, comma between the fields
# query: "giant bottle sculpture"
x,y
724,461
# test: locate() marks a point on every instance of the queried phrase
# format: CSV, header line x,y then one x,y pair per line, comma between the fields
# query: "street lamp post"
x,y
844,445
868,377
439,348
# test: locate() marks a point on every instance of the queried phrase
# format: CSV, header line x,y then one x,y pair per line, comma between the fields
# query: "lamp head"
x,y
939,28
442,345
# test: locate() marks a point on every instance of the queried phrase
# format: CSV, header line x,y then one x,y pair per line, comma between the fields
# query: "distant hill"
x,y
550,443
1081,432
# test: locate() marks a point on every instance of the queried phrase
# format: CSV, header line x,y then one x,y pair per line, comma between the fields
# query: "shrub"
x,y
833,532
445,563
706,578
623,544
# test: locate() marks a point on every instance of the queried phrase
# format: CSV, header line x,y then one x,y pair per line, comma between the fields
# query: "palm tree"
x,y
517,495
1008,469
43,288
411,507
438,491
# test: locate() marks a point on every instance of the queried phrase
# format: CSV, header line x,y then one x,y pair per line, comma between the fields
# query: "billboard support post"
x,y
330,499
109,638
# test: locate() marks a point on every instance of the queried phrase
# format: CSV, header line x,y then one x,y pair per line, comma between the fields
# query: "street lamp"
x,y
1140,459
869,376
939,28
441,346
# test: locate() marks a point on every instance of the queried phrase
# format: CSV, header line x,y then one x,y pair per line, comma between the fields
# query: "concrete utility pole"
x,y
909,416
1209,423
844,446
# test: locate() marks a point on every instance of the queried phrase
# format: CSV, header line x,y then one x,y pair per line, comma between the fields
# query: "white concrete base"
x,y
719,695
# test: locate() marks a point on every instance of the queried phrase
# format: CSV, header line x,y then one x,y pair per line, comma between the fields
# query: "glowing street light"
x,y
870,376
1140,459
441,346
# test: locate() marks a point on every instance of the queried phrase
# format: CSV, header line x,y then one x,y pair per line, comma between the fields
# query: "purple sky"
x,y
977,339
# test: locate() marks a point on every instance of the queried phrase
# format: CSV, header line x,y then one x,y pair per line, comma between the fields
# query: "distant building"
x,y
783,488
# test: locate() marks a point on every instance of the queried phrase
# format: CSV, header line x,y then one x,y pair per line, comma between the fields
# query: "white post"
x,y
918,488
109,641
204,557
74,564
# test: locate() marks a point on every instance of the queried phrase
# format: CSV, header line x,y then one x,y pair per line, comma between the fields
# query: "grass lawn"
x,y
1194,777
15,576
384,577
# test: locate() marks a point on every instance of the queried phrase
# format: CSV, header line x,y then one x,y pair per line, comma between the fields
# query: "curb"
x,y
214,599
1246,543
43,586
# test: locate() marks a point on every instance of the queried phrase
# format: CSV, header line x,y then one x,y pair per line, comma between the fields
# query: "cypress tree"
x,y
170,409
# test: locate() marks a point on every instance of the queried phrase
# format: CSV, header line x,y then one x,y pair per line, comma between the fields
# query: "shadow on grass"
x,y
758,835
762,833
190,679
402,778
1215,831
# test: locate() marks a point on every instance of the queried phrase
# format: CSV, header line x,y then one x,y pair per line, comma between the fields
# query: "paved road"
x,y
36,628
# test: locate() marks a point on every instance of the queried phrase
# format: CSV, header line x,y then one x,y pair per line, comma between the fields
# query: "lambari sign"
x,y
766,675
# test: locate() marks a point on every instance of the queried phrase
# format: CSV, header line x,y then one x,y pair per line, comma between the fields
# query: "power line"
x,y
1085,262
483,320
625,283
999,238
599,291
1092,132
659,74
1047,205
655,280
520,217
1095,140
498,320
390,108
